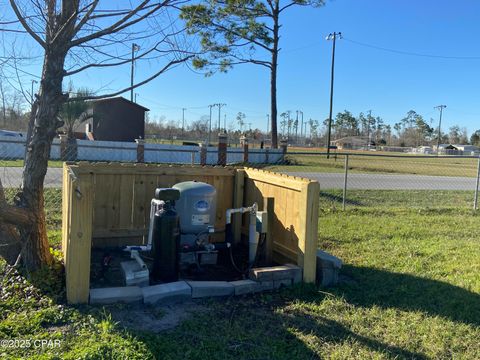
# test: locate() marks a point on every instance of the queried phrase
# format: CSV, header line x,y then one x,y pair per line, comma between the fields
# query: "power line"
x,y
401,52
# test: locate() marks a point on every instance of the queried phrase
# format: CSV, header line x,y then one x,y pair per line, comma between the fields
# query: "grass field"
x,y
442,166
19,163
410,288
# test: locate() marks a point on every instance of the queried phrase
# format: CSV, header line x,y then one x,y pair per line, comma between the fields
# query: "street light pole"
x,y
135,47
301,127
439,107
210,123
332,36
183,121
268,124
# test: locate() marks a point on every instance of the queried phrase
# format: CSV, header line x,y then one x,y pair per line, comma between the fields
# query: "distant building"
x,y
468,149
458,149
353,143
116,119
423,150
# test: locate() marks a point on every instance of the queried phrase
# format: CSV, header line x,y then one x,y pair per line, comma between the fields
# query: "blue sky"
x,y
387,83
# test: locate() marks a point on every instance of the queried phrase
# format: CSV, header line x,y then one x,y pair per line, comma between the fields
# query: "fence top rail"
x,y
112,168
288,181
411,156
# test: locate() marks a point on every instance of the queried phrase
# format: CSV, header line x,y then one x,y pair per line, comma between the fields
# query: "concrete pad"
x,y
127,294
246,287
271,273
167,293
210,288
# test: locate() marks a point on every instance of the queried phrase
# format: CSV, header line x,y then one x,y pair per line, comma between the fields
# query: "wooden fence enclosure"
x,y
108,205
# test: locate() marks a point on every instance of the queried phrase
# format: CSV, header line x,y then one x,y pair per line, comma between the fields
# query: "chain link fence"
x,y
347,180
385,180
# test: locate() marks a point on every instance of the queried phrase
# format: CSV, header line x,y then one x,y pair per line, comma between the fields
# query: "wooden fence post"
x,y
203,154
244,145
308,233
222,149
140,150
77,228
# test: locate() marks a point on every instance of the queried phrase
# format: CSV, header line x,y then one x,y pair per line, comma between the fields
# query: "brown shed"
x,y
117,119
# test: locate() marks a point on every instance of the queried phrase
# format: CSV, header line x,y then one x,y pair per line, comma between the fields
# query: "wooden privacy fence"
x,y
108,205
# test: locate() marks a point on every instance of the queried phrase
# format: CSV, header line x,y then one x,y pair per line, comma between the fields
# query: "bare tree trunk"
x,y
273,78
36,250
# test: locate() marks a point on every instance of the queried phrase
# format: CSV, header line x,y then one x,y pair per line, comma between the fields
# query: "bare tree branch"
x,y
120,24
25,25
157,74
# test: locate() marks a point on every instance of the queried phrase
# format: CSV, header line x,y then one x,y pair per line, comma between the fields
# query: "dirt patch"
x,y
155,318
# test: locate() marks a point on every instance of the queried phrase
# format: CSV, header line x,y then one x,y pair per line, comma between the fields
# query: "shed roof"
x,y
121,98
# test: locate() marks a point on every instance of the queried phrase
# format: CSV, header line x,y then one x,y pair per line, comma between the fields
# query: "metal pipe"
x,y
345,183
475,201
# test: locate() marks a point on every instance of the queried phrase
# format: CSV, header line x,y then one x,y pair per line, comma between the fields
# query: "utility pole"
x,y
225,122
219,111
368,128
135,47
183,120
301,127
210,123
332,36
296,129
439,107
268,124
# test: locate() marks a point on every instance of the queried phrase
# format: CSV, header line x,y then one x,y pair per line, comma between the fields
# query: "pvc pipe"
x,y
252,238
242,210
134,255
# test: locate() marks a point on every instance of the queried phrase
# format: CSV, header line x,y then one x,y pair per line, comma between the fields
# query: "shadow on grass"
x,y
255,328
372,287
338,199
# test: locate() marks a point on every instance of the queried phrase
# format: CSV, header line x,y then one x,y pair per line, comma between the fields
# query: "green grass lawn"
x,y
432,165
19,163
410,288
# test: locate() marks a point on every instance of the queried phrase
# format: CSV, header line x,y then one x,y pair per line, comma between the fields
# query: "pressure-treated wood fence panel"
x,y
295,219
108,205
122,194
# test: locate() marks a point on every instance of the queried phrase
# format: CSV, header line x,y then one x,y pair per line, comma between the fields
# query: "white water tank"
x,y
197,206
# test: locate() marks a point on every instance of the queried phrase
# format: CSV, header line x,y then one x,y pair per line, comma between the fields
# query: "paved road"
x,y
389,182
11,177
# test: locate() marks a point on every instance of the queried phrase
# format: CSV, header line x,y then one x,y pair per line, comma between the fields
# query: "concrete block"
x,y
167,293
297,273
277,284
246,287
210,288
127,294
328,267
271,273
266,285
134,275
